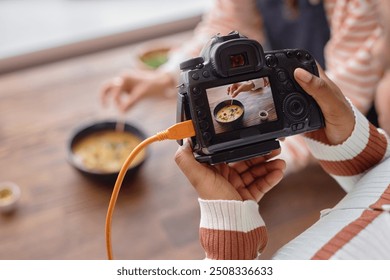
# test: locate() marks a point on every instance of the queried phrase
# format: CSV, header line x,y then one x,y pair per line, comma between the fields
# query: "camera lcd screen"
x,y
241,105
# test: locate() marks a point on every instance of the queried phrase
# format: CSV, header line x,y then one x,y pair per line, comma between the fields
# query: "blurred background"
x,y
38,31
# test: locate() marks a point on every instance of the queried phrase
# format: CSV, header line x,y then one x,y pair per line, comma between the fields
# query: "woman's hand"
x,y
128,88
245,180
236,88
338,114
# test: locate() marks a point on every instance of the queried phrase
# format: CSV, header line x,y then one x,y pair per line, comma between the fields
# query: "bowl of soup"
x,y
229,112
100,149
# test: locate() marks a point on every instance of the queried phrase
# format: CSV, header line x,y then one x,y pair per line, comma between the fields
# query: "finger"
x,y
324,91
104,93
242,166
338,114
264,184
185,160
235,93
228,90
136,94
130,101
116,92
245,194
261,170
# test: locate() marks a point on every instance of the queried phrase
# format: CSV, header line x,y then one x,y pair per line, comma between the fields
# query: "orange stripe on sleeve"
x,y
371,155
233,245
346,235
353,229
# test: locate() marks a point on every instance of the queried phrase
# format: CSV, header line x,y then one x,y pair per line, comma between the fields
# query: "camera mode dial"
x,y
271,60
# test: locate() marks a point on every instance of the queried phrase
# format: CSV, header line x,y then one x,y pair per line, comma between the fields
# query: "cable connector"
x,y
178,131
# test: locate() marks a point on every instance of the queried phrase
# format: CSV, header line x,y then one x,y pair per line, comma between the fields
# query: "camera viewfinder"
x,y
238,60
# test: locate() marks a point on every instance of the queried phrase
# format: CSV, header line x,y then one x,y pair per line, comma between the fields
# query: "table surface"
x,y
61,214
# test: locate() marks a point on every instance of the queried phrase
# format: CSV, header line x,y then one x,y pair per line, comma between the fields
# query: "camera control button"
x,y
206,74
195,76
297,126
271,60
206,136
204,125
196,90
201,114
290,54
289,85
282,76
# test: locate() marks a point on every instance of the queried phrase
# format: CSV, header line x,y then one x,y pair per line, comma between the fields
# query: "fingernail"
x,y
303,75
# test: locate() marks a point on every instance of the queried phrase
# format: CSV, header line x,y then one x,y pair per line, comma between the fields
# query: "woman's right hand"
x,y
337,111
128,88
236,88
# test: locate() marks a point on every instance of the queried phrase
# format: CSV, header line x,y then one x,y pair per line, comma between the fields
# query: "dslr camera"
x,y
242,100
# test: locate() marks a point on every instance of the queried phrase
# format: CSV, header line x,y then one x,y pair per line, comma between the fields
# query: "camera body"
x,y
250,124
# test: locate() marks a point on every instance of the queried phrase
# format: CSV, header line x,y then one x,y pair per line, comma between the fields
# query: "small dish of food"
x,y
263,114
153,59
9,196
229,112
151,55
100,149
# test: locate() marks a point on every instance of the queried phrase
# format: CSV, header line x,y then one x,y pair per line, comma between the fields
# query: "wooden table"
x,y
62,214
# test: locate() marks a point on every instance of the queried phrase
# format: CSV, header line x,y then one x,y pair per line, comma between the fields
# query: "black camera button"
x,y
297,126
206,136
204,125
271,60
289,85
196,90
195,76
289,54
201,114
206,74
282,76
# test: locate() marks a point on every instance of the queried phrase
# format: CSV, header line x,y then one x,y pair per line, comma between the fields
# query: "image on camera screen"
x,y
240,105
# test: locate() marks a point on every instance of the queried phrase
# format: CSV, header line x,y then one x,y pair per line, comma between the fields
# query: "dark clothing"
x,y
309,29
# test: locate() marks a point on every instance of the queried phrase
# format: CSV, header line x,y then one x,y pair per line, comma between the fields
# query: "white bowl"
x,y
9,196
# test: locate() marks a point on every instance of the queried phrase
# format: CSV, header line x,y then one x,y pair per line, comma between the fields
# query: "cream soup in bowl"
x,y
99,150
229,111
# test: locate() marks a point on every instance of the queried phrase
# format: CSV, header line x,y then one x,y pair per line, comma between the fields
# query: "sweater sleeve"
x,y
348,162
357,227
349,52
231,230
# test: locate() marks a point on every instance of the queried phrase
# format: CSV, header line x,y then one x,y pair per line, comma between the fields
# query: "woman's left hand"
x,y
245,180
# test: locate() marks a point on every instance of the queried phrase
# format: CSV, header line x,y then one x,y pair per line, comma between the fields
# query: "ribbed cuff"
x,y
350,148
231,230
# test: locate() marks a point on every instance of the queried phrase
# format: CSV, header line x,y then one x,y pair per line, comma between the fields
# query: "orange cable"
x,y
176,132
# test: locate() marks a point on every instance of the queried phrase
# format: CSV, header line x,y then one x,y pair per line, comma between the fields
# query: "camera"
x,y
268,103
